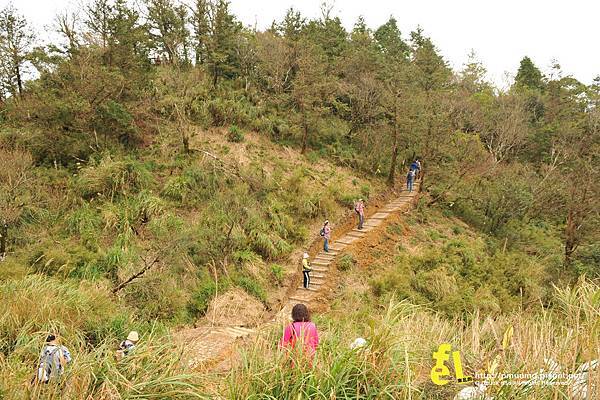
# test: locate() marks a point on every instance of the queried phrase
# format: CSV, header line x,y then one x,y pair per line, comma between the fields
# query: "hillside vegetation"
x,y
158,154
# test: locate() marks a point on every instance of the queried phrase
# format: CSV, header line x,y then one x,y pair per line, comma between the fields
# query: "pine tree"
x,y
529,76
16,40
389,39
222,42
166,23
200,20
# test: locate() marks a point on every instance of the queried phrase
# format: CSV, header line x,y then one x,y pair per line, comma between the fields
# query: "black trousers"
x,y
306,275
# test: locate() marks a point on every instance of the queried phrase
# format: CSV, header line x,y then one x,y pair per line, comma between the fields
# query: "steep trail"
x,y
207,346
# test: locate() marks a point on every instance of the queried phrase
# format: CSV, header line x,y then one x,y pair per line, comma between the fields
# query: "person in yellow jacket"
x,y
306,270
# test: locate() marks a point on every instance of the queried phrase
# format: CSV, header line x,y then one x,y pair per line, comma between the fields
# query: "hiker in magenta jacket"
x,y
326,233
302,328
360,210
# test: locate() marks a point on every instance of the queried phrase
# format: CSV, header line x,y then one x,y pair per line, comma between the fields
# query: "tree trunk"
x,y
394,160
305,134
19,81
3,239
570,238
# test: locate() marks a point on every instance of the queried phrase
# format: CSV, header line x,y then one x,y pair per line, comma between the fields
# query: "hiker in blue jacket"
x,y
410,180
416,166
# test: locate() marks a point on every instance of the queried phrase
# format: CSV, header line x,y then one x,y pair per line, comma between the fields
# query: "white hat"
x,y
305,255
358,343
133,336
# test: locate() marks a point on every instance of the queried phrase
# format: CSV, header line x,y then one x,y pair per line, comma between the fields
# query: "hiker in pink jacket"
x,y
326,235
302,328
360,210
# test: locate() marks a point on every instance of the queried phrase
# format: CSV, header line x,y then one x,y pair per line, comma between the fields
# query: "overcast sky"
x,y
501,32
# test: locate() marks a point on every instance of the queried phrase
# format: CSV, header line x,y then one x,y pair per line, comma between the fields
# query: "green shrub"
x,y
252,287
113,119
235,135
346,262
113,178
78,311
203,295
246,256
86,222
277,273
65,260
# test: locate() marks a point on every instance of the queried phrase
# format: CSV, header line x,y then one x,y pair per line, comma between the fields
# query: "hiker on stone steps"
x,y
301,329
306,270
416,167
410,180
53,360
326,234
360,210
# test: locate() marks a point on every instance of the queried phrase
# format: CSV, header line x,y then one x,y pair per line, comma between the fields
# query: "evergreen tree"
x,y
200,20
529,76
16,40
166,24
390,42
222,43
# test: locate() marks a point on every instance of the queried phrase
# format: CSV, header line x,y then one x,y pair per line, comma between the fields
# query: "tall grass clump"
x,y
111,178
152,371
375,371
401,338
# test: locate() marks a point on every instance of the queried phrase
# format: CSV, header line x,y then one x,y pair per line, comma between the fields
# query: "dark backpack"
x,y
322,232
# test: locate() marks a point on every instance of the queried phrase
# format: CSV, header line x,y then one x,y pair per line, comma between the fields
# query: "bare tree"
x,y
66,23
506,130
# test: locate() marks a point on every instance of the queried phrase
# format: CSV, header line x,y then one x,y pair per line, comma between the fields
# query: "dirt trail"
x,y
206,347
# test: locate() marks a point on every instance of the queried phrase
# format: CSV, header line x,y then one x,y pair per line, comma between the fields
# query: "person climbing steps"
x,y
360,210
326,234
306,270
410,180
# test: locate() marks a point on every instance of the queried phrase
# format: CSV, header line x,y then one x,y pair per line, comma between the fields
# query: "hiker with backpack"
x,y
416,167
53,360
300,329
326,235
410,180
128,345
360,210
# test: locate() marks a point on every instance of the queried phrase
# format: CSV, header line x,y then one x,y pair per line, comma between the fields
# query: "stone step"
x,y
357,233
299,299
311,288
380,215
238,331
331,253
324,255
322,262
320,269
347,240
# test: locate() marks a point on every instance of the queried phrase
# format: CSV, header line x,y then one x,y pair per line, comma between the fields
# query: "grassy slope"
x,y
381,283
83,231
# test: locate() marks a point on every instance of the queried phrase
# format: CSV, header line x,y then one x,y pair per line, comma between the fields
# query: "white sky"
x,y
501,32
